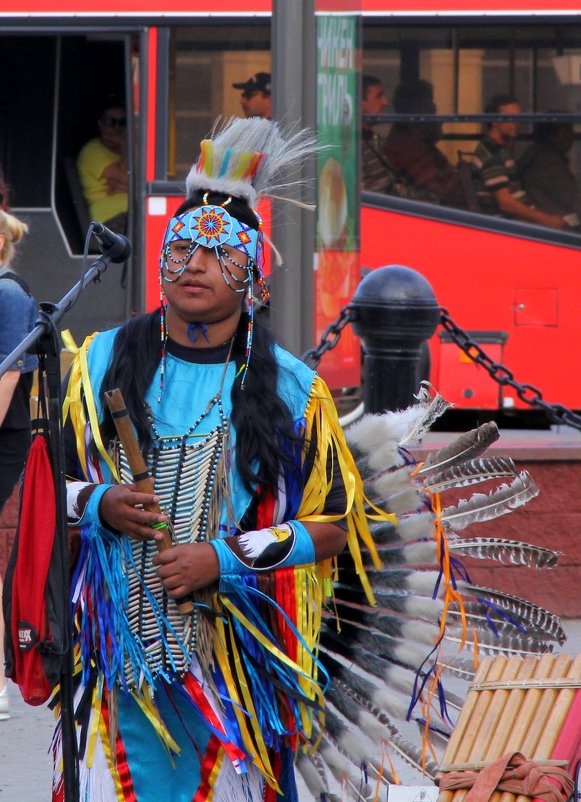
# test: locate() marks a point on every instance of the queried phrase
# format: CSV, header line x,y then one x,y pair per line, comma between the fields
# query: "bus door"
x,y
56,86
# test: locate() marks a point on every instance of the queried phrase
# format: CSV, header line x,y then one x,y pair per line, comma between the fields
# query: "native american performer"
x,y
207,662
252,477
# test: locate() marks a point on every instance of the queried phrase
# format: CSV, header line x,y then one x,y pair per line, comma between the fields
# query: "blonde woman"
x,y
17,318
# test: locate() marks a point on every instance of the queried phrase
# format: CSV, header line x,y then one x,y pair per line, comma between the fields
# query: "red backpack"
x,y
32,598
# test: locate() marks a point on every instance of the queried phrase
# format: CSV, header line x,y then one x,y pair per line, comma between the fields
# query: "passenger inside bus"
x,y
377,174
102,167
255,98
499,187
546,174
411,148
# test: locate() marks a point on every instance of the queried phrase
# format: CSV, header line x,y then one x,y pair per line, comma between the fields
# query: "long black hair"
x,y
265,429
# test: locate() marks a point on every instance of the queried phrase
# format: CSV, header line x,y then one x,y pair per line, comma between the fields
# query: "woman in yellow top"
x,y
102,167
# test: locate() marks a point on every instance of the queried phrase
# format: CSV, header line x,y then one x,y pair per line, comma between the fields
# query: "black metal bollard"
x,y
394,311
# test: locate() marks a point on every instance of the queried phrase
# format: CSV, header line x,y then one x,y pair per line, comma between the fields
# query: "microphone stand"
x,y
46,339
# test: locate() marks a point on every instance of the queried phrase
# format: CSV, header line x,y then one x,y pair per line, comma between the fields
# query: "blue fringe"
x,y
261,665
105,637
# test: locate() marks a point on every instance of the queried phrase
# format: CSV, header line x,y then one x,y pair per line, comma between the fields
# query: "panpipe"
x,y
529,705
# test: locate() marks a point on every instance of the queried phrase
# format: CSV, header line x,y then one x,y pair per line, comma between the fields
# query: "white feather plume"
x,y
285,151
417,526
377,437
389,482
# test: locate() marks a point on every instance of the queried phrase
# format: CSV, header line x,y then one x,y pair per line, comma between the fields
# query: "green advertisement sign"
x,y
338,127
337,268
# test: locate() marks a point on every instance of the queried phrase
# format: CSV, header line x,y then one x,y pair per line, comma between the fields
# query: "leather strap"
x,y
515,774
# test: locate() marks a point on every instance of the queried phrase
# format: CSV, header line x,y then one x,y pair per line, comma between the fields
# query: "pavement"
x,y
25,762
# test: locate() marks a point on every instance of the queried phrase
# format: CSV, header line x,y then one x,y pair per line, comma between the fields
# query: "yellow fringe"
x,y
79,388
321,417
227,656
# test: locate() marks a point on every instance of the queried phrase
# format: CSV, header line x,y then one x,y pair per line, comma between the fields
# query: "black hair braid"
x,y
264,424
136,355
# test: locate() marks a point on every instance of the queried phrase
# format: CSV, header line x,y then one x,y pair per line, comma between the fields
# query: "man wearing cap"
x,y
255,99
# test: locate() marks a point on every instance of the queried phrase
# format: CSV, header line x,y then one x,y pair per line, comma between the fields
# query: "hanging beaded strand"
x,y
243,370
260,280
163,330
264,297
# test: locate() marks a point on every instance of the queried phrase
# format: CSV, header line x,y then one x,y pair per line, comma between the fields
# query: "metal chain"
x,y
528,393
314,355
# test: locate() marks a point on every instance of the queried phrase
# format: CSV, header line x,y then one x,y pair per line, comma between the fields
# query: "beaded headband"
x,y
212,226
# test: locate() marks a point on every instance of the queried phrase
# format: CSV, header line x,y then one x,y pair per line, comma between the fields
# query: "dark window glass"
x,y
205,60
455,70
26,131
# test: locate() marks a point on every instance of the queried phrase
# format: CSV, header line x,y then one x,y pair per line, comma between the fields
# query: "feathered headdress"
x,y
245,158
242,160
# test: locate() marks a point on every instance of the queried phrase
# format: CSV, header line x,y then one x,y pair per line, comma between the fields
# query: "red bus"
x,y
512,285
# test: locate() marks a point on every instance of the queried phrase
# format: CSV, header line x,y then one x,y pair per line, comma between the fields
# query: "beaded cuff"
x,y
266,549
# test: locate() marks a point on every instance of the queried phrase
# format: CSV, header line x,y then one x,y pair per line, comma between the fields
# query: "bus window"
x,y
454,71
205,60
26,130
91,69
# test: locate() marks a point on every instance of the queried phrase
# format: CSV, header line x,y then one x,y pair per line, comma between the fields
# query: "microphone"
x,y
115,246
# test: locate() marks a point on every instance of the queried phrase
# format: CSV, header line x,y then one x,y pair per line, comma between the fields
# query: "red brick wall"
x,y
552,520
8,529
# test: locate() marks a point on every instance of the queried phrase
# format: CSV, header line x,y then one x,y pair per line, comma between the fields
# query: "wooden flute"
x,y
141,476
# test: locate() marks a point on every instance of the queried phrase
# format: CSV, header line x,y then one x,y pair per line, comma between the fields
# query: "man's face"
x,y
506,131
374,101
256,104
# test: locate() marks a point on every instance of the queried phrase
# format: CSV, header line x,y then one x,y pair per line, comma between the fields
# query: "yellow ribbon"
x,y
80,390
226,652
321,417
69,341
151,712
269,645
95,720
